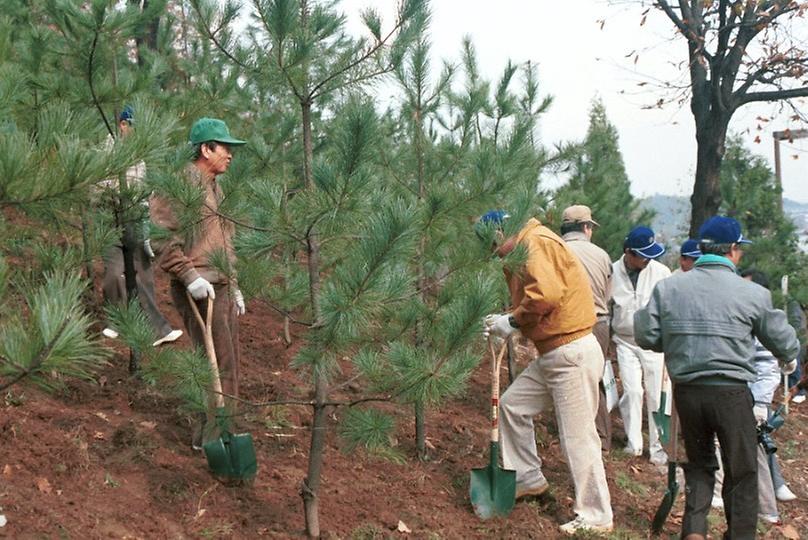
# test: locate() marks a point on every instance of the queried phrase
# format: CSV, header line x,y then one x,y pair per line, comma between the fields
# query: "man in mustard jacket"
x,y
552,305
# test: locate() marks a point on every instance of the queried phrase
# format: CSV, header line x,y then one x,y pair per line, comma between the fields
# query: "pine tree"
x,y
599,180
751,195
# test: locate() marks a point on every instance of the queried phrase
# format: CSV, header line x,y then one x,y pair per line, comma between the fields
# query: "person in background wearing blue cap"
x,y
636,274
188,255
552,306
114,285
706,322
688,254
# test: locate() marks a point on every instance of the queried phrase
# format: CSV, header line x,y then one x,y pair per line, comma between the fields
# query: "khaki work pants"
x,y
225,332
603,421
566,378
114,286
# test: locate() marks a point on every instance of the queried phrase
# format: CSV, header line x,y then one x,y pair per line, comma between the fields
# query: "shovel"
x,y
662,416
673,486
492,489
229,455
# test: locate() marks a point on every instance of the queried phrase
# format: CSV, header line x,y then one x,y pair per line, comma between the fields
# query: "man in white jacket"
x,y
634,276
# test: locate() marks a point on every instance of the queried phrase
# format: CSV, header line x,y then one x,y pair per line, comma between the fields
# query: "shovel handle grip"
x,y
207,330
496,362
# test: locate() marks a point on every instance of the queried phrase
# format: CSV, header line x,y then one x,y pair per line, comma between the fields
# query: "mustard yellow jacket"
x,y
551,298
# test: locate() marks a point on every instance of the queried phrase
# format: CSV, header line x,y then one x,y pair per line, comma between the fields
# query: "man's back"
x,y
704,321
598,267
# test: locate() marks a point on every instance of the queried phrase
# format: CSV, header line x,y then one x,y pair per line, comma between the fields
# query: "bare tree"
x,y
739,52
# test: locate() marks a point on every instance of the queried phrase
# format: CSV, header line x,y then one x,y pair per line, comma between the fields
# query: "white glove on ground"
x,y
147,249
241,308
787,368
200,288
497,325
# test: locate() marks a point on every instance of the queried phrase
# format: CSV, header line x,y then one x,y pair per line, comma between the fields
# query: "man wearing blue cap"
x,y
706,321
191,248
636,274
113,283
688,254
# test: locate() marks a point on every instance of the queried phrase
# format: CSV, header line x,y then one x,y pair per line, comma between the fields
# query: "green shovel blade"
x,y
230,455
667,501
492,489
662,420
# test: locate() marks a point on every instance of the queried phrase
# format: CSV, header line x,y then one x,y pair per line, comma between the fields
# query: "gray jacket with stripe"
x,y
705,321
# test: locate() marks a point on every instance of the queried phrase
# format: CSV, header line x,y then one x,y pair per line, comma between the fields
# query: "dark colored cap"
x,y
494,216
641,240
690,248
127,114
721,230
212,129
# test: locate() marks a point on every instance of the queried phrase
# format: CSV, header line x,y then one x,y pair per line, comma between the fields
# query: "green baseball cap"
x,y
212,129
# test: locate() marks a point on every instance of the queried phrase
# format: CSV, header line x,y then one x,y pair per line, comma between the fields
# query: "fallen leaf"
x,y
99,435
102,381
7,470
148,425
404,529
788,531
43,485
200,513
3,520
102,416
429,444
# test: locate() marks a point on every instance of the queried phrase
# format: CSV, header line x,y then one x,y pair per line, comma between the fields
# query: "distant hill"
x,y
672,214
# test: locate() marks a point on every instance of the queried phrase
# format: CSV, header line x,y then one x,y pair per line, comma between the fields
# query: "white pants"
x,y
638,366
567,378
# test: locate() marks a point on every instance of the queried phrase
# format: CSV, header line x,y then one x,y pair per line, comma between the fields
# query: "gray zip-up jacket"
x,y
705,322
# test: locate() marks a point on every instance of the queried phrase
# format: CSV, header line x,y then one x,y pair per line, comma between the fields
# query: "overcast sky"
x,y
579,60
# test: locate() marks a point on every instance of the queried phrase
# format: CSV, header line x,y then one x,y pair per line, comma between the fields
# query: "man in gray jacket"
x,y
705,322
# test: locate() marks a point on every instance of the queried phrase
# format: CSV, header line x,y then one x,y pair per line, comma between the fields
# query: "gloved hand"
x,y
147,249
761,412
241,308
497,325
787,368
200,288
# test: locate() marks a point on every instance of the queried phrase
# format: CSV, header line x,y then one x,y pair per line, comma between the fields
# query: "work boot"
x,y
535,491
174,335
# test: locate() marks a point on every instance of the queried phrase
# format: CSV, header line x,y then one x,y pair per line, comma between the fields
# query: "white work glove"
x,y
787,368
200,288
147,249
241,308
497,325
761,412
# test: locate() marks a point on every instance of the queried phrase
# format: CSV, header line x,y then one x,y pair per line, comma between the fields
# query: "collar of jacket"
x,y
709,259
575,235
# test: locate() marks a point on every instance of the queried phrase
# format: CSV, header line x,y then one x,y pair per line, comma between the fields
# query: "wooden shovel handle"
x,y
207,331
496,362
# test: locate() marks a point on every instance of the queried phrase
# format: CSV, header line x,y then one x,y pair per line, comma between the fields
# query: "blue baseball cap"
x,y
641,240
721,230
127,114
690,248
489,219
495,217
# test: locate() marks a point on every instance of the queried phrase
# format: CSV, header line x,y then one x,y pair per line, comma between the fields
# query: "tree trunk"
x,y
311,485
706,198
308,156
313,262
420,431
129,243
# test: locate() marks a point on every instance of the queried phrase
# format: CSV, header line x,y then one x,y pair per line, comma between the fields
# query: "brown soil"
x,y
112,460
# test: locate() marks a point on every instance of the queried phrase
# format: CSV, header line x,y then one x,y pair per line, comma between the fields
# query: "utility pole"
x,y
787,135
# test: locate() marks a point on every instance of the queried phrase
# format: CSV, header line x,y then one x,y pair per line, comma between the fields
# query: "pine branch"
x,y
36,362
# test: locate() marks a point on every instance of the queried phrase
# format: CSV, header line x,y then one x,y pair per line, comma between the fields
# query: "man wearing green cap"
x,y
191,247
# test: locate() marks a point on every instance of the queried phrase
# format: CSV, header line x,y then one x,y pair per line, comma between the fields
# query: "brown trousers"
x,y
603,421
225,332
114,286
